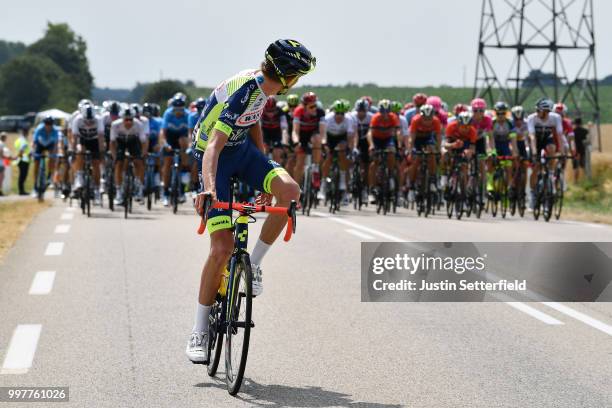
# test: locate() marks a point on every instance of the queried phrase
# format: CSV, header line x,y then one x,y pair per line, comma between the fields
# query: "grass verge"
x,y
591,200
14,218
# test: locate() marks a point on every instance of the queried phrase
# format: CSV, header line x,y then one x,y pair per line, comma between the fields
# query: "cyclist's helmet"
x,y
427,110
436,102
369,99
384,106
180,95
127,113
544,104
419,99
293,100
136,108
83,102
308,98
156,110
114,108
501,107
290,58
458,108
464,118
362,105
341,106
87,111
518,112
147,109
560,108
478,104
49,120
444,106
200,104
396,107
270,103
178,101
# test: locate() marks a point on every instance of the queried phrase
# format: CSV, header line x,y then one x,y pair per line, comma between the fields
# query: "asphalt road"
x,y
114,324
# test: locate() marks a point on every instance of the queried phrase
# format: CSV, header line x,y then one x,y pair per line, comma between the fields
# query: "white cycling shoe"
x,y
197,348
257,280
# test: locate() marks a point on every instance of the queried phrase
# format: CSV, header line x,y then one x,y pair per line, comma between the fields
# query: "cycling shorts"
x,y
543,142
172,139
503,149
40,149
247,163
92,145
132,145
273,138
421,143
333,141
305,141
364,151
481,146
384,144
522,149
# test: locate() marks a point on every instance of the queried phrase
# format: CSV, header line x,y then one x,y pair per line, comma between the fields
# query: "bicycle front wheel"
x,y
238,332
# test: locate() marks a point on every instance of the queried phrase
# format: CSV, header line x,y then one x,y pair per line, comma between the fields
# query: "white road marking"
x,y
533,312
67,216
599,325
42,283
70,209
54,248
62,229
359,234
582,224
358,226
21,350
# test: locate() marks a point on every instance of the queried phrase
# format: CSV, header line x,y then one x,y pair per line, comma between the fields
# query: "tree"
x,y
26,83
160,92
68,51
10,50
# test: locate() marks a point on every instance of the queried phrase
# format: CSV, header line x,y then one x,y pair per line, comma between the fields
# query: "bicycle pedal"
x,y
200,362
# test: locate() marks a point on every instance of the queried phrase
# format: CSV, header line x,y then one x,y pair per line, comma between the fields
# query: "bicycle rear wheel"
x,y
239,323
558,206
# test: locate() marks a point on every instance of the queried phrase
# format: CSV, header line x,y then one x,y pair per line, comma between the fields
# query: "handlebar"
x,y
250,209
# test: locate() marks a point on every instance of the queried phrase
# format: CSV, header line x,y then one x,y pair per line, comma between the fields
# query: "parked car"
x,y
11,123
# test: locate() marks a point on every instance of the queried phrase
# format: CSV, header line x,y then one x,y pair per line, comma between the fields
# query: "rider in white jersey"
x,y
340,130
362,117
88,135
128,133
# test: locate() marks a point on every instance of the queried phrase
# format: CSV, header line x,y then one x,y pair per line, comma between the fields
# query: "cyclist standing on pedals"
x,y
340,134
545,128
46,139
383,135
425,136
128,133
88,134
229,142
362,117
308,128
460,138
274,126
520,127
502,142
174,132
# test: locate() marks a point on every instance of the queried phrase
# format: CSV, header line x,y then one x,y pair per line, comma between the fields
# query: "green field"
x,y
404,94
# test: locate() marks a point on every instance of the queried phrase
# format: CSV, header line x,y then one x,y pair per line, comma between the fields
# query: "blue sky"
x,y
393,43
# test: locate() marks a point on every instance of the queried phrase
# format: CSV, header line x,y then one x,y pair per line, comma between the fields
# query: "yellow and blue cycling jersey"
x,y
233,108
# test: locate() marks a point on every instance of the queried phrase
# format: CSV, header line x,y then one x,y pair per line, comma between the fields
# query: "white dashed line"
x,y
359,234
62,229
21,350
67,216
42,283
54,248
535,313
601,326
358,226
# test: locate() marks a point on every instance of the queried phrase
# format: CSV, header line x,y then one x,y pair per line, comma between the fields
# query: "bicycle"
x,y
333,196
474,190
109,180
149,179
499,198
357,183
544,193
518,197
559,181
455,191
175,180
425,199
63,169
86,189
40,183
129,185
231,313
310,186
386,191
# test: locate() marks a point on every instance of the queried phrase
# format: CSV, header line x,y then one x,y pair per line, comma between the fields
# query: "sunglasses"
x,y
128,119
311,107
479,110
